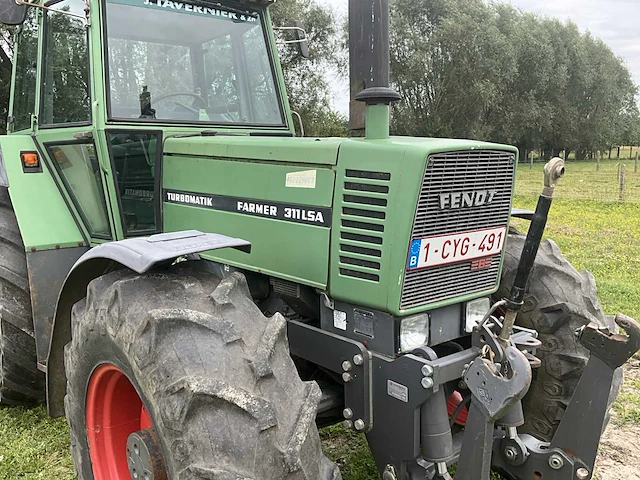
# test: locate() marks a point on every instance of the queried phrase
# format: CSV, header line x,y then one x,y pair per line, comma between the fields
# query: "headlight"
x,y
476,310
414,332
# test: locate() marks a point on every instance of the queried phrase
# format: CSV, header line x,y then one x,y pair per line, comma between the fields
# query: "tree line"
x,y
464,68
468,68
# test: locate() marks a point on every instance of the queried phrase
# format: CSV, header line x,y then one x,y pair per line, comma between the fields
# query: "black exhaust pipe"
x,y
369,68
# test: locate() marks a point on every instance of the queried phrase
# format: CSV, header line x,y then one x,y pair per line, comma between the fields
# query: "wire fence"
x,y
616,180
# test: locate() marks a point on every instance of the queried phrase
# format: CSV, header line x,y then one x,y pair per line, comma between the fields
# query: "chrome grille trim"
x,y
461,171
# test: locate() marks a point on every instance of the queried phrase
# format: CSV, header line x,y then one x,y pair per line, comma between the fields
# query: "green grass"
x,y
583,182
350,452
627,406
601,237
33,446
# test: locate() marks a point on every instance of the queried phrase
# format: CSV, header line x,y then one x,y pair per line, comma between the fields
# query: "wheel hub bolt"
x,y
427,370
359,424
347,413
510,453
346,377
426,382
358,360
348,424
346,365
556,462
582,473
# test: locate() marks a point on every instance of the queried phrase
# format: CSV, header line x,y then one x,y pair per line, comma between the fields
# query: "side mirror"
x,y
12,12
301,37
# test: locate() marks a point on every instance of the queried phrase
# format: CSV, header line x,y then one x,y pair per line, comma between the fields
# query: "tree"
x,y
305,79
6,66
468,68
448,62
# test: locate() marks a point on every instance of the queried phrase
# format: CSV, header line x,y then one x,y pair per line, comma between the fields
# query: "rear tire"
x,y
214,374
21,383
559,300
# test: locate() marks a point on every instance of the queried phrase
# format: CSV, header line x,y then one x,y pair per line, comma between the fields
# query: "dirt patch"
x,y
619,457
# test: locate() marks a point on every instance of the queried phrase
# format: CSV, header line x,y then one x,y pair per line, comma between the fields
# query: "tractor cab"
x,y
104,84
186,63
163,62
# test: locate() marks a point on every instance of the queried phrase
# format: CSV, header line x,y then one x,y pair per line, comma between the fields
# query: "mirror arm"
x,y
84,17
300,124
300,30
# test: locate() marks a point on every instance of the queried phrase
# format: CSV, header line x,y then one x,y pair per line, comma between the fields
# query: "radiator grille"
x,y
362,223
463,171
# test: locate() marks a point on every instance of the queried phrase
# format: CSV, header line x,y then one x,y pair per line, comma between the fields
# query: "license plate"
x,y
457,247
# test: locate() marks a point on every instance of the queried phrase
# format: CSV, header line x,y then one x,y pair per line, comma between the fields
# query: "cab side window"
x,y
135,160
66,97
77,164
24,92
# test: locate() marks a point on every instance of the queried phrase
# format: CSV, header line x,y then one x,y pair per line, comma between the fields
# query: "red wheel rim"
x,y
114,410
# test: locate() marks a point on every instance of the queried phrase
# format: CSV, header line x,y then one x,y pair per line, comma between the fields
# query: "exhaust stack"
x,y
369,69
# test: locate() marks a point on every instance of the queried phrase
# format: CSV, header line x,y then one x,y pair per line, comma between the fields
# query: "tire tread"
x,y
21,382
197,347
559,300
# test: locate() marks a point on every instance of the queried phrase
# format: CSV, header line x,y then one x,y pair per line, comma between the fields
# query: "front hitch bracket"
x,y
581,427
493,394
572,451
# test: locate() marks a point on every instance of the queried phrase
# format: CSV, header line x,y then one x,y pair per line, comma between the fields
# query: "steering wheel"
x,y
161,98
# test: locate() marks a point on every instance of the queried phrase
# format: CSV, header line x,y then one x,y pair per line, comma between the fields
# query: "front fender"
x,y
138,254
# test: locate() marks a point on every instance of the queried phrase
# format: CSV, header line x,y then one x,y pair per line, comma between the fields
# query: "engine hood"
x,y
317,151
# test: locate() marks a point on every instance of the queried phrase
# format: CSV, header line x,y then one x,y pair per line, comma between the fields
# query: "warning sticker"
x,y
340,319
305,179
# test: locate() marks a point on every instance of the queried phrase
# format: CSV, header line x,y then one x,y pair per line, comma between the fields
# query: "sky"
x,y
614,21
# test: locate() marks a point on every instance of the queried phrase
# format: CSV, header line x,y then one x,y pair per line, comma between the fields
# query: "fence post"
x,y
623,174
532,155
635,167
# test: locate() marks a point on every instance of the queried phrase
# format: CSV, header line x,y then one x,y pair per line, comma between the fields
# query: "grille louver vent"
x,y
362,223
463,171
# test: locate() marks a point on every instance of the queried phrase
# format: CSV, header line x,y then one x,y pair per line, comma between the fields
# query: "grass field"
x,y
601,237
583,182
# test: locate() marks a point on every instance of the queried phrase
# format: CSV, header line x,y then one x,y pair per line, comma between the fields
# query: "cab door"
x,y
64,133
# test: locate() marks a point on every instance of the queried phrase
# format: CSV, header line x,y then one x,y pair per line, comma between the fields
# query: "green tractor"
x,y
198,291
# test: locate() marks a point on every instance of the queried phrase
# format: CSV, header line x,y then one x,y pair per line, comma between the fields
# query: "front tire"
x,y
559,300
21,383
214,375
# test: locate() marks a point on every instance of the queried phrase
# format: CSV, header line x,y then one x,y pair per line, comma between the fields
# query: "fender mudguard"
x,y
138,254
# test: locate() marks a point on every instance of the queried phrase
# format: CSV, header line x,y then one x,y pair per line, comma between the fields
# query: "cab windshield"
x,y
189,62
